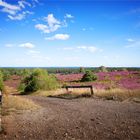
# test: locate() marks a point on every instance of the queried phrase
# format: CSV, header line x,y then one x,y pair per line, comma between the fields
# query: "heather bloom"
x,y
106,80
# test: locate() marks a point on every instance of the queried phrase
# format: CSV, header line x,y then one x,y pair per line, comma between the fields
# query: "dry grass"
x,y
48,93
119,94
63,93
16,103
10,90
112,94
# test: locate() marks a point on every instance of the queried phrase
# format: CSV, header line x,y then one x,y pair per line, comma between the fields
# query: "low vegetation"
x,y
39,79
89,76
119,94
1,82
16,103
119,84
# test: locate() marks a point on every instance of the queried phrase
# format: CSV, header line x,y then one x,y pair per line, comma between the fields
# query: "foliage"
x,y
39,79
103,69
89,76
82,70
6,75
1,82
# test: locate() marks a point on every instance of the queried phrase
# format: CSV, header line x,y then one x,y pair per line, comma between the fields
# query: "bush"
x,y
6,75
88,76
39,79
1,82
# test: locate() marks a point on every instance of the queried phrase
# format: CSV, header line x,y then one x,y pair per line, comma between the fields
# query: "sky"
x,y
62,33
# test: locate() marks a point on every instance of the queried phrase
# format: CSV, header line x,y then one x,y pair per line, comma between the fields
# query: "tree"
x,y
82,70
103,69
89,76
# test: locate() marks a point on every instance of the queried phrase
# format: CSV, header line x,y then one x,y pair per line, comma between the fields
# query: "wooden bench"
x,y
89,86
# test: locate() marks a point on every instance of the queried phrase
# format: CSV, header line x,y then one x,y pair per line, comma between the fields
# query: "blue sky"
x,y
69,33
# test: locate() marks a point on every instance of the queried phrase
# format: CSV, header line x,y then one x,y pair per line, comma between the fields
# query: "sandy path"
x,y
77,119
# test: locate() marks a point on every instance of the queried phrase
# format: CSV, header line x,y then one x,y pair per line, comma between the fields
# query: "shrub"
x,y
39,79
89,76
6,75
1,82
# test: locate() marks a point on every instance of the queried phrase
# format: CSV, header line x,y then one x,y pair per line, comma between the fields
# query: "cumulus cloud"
x,y
15,12
51,20
59,37
9,11
17,17
9,6
22,4
42,27
69,16
52,24
27,45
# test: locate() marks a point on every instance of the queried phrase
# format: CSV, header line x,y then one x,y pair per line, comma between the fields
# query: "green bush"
x,y
1,82
88,76
39,79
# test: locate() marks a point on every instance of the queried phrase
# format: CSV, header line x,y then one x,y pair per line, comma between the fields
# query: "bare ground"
x,y
77,119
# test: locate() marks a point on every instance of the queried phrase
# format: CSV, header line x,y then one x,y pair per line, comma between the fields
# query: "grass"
x,y
110,94
16,103
119,94
62,93
48,93
71,95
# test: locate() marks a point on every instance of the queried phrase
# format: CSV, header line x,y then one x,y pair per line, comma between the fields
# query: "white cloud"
x,y
9,6
15,12
69,16
59,37
9,11
17,17
52,25
130,40
51,20
23,3
27,45
90,48
44,28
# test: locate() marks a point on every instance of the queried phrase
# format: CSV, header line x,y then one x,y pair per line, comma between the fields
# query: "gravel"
x,y
76,119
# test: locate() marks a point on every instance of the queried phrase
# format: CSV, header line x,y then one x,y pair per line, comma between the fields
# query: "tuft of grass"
x,y
118,94
48,93
71,95
62,93
10,90
16,103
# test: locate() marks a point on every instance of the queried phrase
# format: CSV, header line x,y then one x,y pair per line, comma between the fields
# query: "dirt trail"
x,y
77,119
